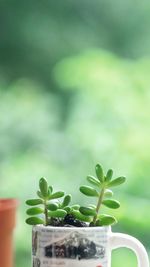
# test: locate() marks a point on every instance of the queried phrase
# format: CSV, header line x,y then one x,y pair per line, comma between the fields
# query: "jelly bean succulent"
x,y
54,208
101,191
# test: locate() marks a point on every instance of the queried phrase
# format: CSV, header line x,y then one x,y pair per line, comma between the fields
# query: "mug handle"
x,y
118,240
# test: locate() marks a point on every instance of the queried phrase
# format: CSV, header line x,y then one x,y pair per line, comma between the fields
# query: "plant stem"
x,y
46,212
100,199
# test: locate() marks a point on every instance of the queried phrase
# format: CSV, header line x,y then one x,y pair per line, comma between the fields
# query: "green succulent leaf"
x,y
75,207
34,221
60,213
52,206
93,180
34,211
99,172
34,202
109,175
87,211
39,194
58,194
108,193
116,182
48,193
105,220
89,191
43,185
77,214
111,203
67,209
50,188
92,206
66,201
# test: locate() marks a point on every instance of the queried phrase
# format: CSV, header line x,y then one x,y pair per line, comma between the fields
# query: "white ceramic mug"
x,y
80,247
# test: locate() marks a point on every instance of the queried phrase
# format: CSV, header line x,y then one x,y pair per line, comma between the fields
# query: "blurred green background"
x,y
74,91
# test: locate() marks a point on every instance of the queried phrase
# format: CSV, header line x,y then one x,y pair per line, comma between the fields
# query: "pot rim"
x,y
8,203
41,226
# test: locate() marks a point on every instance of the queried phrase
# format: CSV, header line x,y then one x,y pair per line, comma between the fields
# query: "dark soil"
x,y
68,221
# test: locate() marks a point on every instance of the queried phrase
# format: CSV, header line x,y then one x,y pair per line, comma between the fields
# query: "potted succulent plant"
x,y
75,235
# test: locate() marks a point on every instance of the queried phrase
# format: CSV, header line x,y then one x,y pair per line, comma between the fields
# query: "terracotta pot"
x,y
7,224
